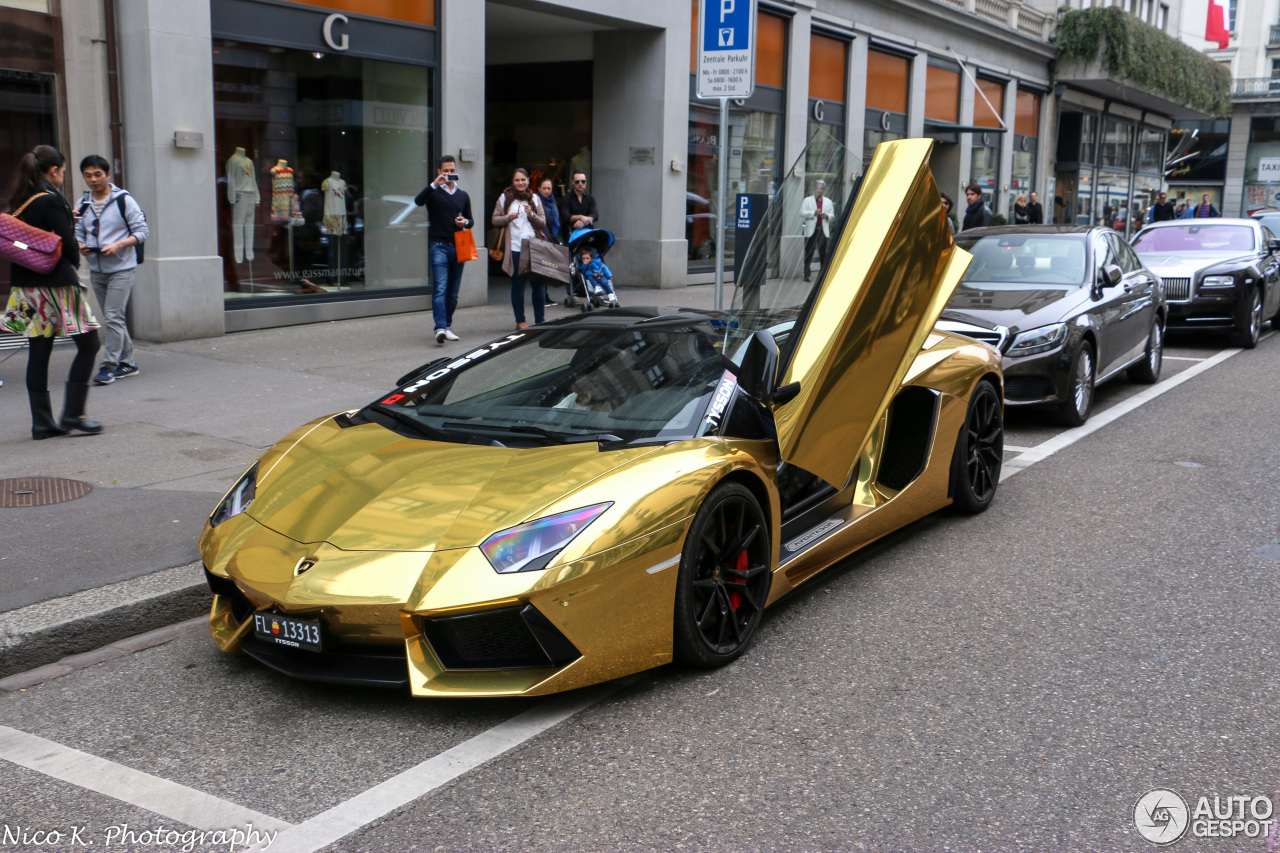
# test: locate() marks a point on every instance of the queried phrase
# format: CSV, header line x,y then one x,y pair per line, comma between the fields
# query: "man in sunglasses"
x,y
110,227
578,208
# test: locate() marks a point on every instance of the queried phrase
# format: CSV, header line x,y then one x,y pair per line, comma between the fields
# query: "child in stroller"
x,y
590,280
599,277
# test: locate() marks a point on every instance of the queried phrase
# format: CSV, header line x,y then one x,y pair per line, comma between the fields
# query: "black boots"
x,y
73,411
42,423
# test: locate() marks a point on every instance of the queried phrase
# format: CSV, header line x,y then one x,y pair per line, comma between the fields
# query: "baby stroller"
x,y
581,292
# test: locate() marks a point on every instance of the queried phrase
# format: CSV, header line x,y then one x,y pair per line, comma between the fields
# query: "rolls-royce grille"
x,y
1177,289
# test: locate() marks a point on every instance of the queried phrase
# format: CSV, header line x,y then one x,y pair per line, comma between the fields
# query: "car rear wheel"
x,y
1075,410
724,578
975,467
1247,337
1147,371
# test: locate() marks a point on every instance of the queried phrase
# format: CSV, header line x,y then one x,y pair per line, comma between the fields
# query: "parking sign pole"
x,y
722,197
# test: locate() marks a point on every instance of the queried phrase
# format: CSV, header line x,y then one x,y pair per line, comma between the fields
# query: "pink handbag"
x,y
27,245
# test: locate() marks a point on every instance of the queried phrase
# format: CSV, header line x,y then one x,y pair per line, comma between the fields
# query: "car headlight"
x,y
531,546
238,499
1218,281
1042,339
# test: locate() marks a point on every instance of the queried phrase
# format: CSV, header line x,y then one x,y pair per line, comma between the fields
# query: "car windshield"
x,y
1022,261
568,384
1215,239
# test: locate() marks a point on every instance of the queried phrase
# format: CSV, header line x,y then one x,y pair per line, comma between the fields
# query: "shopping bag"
x,y
465,246
547,261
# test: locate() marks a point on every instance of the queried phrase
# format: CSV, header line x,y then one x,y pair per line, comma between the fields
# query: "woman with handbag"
x,y
519,213
43,306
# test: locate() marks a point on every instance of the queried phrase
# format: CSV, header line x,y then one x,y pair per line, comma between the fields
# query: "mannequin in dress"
x,y
335,203
283,192
242,193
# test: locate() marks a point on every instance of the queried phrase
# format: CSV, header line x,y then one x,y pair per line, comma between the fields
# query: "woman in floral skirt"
x,y
44,306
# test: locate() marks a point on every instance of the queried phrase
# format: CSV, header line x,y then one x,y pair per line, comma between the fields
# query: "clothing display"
x,y
335,203
242,193
283,192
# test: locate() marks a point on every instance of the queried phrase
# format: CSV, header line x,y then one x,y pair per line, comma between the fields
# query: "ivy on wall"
x,y
1135,51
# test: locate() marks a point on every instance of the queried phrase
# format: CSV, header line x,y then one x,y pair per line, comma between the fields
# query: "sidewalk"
x,y
122,559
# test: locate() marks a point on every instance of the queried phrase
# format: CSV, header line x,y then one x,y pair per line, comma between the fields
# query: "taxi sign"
x,y
726,48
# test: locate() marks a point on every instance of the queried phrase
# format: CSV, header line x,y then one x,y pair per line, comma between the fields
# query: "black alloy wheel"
x,y
724,578
975,467
1247,337
1075,410
1147,371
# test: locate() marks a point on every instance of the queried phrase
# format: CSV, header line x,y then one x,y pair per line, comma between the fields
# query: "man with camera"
x,y
448,212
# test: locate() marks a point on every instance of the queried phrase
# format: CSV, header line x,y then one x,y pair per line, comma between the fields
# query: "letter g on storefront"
x,y
342,42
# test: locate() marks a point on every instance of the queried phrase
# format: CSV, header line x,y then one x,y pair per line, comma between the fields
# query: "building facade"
x,y
277,145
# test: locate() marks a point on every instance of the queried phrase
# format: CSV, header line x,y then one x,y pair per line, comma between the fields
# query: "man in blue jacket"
x,y
111,228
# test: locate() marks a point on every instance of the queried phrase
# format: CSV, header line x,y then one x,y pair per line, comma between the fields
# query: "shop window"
x,y
1151,150
771,50
828,63
828,69
1117,143
988,111
319,159
1026,120
942,94
888,81
410,11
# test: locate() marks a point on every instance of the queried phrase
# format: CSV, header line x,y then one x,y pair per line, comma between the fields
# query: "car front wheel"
x,y
975,467
724,578
1247,337
1075,410
1147,371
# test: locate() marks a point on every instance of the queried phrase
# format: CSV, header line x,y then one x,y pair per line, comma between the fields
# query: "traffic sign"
x,y
726,48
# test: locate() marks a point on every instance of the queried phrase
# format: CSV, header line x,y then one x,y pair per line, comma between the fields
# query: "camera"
x,y
451,177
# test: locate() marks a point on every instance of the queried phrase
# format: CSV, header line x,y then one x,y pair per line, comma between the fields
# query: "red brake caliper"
x,y
739,565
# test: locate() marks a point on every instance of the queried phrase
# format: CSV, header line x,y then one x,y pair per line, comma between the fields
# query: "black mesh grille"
x,y
494,639
910,430
1027,387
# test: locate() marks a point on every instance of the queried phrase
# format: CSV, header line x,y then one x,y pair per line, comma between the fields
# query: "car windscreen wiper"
x,y
564,437
411,422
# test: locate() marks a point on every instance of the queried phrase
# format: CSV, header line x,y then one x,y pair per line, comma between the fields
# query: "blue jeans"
x,y
517,293
446,278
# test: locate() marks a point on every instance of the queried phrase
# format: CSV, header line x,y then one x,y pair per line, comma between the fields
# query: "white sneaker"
x,y
440,333
449,335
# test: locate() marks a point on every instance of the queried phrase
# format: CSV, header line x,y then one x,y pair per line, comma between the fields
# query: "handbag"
x,y
464,246
547,260
493,240
27,245
525,257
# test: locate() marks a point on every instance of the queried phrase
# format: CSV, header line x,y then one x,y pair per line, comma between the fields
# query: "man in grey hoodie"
x,y
110,226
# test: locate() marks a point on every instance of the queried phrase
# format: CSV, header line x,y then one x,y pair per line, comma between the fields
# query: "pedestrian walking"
x,y
1035,210
947,205
1203,210
977,214
815,215
519,211
578,209
43,306
448,212
1163,210
1020,214
110,230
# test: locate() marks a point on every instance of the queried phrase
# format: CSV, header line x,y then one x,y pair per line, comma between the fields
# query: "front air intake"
x,y
509,638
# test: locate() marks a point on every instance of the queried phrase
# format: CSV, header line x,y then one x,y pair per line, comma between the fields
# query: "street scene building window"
x,y
888,91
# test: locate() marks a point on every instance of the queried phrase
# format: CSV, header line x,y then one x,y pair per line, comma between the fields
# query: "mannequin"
x,y
242,193
335,203
283,192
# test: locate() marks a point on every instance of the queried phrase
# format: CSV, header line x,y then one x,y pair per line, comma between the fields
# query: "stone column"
x,y
462,124
166,82
1005,176
795,133
856,99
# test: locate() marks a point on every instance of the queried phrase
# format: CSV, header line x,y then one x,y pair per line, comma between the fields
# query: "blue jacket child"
x,y
599,276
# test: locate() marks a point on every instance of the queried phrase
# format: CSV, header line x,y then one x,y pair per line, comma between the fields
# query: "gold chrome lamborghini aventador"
x,y
606,493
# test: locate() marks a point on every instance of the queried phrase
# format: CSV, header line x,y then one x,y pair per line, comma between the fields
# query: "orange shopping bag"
x,y
465,246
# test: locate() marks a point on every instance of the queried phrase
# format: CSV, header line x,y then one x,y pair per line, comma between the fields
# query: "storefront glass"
x,y
1117,144
320,156
1262,166
984,165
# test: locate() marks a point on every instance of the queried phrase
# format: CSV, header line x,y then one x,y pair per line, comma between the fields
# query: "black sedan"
x,y
1219,274
1068,307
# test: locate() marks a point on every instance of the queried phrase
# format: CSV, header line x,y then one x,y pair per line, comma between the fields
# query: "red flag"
x,y
1215,29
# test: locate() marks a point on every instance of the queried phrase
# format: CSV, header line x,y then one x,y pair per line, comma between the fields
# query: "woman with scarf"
x,y
1021,216
519,211
44,306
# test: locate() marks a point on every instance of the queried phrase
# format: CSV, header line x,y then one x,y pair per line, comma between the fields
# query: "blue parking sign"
x,y
726,48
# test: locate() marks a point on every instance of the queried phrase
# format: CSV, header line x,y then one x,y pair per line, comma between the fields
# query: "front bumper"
x,y
1036,380
1221,311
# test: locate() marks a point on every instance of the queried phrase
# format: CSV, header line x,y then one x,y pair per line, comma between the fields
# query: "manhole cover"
x,y
40,491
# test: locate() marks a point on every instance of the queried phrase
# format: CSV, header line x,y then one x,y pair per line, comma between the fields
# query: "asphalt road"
x,y
1014,681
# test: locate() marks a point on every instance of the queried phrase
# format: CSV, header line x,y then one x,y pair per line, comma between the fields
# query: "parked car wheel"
x,y
975,467
1247,337
1147,371
724,578
1075,410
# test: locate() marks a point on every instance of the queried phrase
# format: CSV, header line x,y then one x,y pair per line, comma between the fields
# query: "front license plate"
x,y
287,631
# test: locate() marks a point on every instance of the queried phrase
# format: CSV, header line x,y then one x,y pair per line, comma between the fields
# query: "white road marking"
x,y
1119,410
168,799
1181,358
1013,448
380,800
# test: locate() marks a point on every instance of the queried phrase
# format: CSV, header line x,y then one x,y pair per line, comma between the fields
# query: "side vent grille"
x,y
906,450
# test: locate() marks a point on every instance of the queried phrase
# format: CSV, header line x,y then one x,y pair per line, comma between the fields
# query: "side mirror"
x,y
758,375
1112,275
1273,244
419,370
